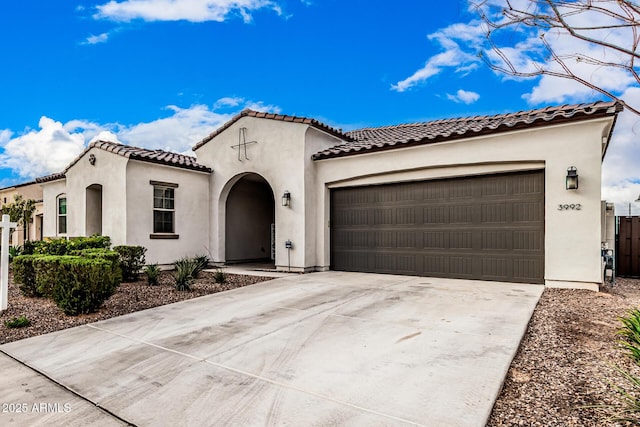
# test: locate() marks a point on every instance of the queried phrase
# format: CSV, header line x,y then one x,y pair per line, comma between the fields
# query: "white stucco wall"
x,y
109,171
278,157
191,211
315,142
50,191
572,237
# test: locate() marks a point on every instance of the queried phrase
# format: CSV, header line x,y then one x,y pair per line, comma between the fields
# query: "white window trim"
x,y
58,214
164,235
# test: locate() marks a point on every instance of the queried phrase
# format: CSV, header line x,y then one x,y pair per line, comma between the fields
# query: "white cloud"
x,y
621,166
227,102
5,136
453,55
101,38
187,10
40,152
260,106
105,135
50,149
466,97
178,132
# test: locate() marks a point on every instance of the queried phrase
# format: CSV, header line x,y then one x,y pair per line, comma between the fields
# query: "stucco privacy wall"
x,y
109,171
280,156
572,237
191,213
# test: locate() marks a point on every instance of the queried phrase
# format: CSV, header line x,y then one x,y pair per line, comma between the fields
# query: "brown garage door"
x,y
488,227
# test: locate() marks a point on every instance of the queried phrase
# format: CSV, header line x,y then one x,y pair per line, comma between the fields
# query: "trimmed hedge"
x,y
131,261
78,274
111,256
25,275
63,246
77,284
88,283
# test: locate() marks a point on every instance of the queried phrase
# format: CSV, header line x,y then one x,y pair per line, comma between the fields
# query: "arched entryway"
x,y
249,218
93,212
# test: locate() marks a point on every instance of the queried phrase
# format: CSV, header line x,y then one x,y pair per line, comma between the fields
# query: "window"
x,y
62,214
163,209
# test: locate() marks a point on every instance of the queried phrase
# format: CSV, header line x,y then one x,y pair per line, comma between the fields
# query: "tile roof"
x,y
135,153
406,135
49,178
272,116
152,156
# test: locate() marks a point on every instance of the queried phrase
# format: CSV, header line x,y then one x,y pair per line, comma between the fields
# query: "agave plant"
x,y
630,334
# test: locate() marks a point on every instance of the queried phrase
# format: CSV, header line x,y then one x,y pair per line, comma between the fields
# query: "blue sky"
x,y
165,73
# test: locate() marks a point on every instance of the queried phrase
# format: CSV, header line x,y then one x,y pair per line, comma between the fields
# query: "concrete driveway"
x,y
320,349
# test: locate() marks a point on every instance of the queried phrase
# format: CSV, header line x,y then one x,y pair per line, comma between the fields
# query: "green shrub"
x,y
77,285
112,257
29,247
220,276
202,262
91,242
49,272
51,247
152,272
631,334
17,322
14,251
185,270
131,261
64,246
24,275
628,409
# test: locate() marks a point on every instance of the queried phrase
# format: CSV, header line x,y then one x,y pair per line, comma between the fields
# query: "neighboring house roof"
x,y
135,153
22,184
406,135
272,116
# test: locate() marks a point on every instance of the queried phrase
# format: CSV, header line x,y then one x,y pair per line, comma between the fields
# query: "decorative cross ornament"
x,y
242,144
6,225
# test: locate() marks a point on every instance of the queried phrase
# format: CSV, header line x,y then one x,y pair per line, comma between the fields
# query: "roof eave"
x,y
502,128
272,116
200,168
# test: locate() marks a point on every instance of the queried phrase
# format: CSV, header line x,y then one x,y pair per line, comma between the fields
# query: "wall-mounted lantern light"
x,y
572,178
286,199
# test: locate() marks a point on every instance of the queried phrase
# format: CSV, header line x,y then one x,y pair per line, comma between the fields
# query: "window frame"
x,y
166,207
64,215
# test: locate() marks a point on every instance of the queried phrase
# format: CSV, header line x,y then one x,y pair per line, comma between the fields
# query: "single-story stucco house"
x,y
511,197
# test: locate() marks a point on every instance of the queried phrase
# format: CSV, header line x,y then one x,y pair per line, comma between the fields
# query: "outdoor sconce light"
x,y
286,198
572,178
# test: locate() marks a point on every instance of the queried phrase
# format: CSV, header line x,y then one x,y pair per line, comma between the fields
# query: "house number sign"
x,y
572,207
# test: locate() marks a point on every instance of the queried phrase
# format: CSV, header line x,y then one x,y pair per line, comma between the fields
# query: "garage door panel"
x,y
487,227
529,211
435,215
527,269
497,240
461,214
528,240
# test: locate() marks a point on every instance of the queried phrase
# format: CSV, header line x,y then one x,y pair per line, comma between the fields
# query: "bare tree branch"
x,y
611,25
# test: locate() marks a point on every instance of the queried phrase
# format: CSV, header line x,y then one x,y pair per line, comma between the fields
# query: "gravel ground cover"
x,y
565,364
46,317
566,360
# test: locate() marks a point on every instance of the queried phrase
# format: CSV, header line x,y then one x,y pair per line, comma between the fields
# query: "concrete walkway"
x,y
329,348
